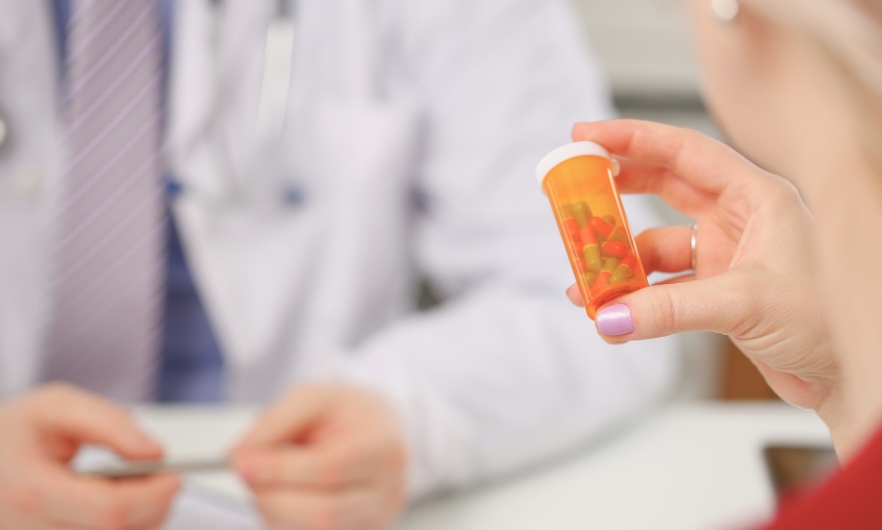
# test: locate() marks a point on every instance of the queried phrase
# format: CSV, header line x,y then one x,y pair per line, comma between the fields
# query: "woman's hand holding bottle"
x,y
753,281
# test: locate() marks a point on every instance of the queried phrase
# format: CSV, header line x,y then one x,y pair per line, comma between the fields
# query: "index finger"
x,y
285,419
700,161
87,418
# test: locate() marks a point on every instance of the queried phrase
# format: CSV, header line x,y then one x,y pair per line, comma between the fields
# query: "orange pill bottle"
x,y
578,180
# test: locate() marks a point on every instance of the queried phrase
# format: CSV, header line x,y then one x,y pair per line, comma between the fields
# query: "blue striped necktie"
x,y
107,295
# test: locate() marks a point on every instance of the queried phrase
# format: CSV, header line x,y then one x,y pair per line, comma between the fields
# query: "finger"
x,y
329,466
575,295
678,279
641,178
285,419
666,249
101,503
351,508
90,419
721,304
104,503
700,161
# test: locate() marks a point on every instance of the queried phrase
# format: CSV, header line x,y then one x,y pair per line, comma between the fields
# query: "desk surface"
x,y
689,466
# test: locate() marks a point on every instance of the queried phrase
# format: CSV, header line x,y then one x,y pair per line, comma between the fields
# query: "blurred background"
x,y
645,49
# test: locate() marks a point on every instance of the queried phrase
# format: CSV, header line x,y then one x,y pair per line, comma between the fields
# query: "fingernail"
x,y
615,320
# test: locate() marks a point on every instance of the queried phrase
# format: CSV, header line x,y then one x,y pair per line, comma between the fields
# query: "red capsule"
x,y
601,227
587,236
571,227
615,249
630,260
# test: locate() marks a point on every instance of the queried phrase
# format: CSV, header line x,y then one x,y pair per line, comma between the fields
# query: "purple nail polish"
x,y
615,320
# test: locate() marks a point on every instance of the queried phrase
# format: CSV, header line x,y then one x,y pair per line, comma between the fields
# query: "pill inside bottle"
x,y
578,180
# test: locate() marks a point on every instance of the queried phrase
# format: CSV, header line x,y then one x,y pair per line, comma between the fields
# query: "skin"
x,y
812,135
816,140
323,457
800,296
326,457
41,433
752,284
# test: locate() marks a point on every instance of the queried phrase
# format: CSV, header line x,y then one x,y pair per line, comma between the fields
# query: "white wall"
x,y
645,45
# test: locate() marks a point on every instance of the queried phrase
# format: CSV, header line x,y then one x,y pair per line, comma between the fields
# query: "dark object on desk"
x,y
794,466
740,379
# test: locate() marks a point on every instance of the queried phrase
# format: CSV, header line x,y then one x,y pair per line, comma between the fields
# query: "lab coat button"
x,y
28,184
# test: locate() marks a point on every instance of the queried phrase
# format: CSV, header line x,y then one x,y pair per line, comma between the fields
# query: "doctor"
x,y
321,161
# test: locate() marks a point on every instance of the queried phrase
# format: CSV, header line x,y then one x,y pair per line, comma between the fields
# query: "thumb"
x,y
86,418
720,304
285,420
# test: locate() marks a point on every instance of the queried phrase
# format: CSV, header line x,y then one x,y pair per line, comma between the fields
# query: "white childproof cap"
x,y
573,150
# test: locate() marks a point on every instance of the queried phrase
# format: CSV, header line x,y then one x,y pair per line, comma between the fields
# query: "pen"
x,y
131,469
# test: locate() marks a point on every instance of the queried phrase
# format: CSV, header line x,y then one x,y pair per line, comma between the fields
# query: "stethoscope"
x,y
260,183
4,131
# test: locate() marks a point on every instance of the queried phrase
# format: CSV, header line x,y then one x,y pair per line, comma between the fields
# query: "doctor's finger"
x,y
355,508
287,417
702,162
328,467
83,417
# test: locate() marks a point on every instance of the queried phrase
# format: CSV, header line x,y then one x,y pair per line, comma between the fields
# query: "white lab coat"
x,y
413,130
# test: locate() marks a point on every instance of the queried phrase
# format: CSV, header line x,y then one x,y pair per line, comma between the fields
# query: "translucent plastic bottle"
x,y
578,180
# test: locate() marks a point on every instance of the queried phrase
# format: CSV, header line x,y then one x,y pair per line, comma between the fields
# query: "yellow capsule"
x,y
618,235
609,219
592,257
620,275
625,269
588,278
610,265
583,213
566,211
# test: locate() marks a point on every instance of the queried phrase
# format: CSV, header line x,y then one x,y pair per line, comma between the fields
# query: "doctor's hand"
x,y
41,432
753,281
326,456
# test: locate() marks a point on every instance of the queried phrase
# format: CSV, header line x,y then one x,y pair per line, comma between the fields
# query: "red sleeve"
x,y
851,499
